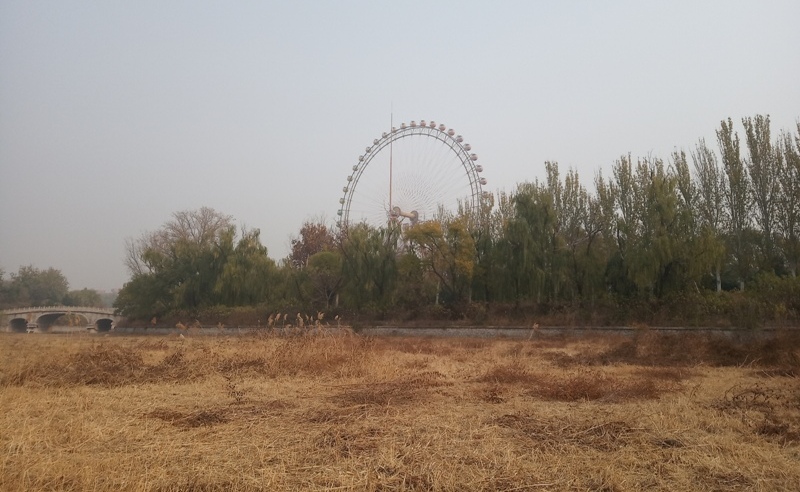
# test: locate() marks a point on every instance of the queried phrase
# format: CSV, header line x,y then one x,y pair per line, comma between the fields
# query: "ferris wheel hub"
x,y
396,213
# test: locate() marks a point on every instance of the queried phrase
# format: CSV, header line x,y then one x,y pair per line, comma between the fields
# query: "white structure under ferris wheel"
x,y
412,173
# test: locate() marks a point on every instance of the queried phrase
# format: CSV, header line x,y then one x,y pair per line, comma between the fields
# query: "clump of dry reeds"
x,y
98,364
777,351
109,364
553,432
576,385
764,407
587,385
509,373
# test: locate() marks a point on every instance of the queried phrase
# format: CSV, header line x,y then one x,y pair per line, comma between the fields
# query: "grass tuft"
x,y
556,433
588,385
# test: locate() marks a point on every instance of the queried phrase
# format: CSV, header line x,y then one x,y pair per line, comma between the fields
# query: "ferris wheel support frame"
x,y
441,133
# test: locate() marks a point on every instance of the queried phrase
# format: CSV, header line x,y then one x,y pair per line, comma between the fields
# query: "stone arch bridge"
x,y
73,318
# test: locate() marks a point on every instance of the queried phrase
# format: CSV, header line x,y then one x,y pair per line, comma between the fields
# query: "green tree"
x,y
325,276
34,287
595,251
561,230
653,256
189,227
369,270
580,230
623,215
5,294
144,296
763,169
482,236
691,261
652,225
494,251
788,210
447,250
527,243
414,289
83,297
710,207
737,201
247,272
195,261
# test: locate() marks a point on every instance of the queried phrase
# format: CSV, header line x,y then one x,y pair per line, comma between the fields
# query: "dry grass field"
x,y
346,412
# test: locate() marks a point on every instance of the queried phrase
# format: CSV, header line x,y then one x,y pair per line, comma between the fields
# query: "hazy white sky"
x,y
115,114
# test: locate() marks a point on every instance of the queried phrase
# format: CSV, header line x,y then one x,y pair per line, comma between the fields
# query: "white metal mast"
x,y
391,123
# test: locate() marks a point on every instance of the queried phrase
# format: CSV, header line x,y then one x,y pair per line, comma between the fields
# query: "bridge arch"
x,y
18,325
45,321
104,324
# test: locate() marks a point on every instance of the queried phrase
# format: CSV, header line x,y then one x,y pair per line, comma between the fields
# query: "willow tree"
x,y
247,273
447,249
529,237
195,261
369,272
655,257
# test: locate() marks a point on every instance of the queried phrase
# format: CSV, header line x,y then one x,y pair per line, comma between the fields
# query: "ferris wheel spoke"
x,y
432,171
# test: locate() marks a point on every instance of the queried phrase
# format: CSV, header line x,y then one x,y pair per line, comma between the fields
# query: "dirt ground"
x,y
347,412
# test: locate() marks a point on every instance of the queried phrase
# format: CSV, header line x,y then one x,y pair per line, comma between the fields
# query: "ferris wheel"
x,y
414,173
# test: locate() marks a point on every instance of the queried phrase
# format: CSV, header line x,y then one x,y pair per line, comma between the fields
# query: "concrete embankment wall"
x,y
456,331
526,332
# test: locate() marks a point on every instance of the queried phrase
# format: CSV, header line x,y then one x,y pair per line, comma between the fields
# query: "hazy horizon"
x,y
113,116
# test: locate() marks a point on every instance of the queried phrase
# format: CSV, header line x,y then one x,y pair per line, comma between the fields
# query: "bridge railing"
x,y
59,308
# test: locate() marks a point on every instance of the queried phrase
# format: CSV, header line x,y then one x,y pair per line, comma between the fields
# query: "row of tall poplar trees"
x,y
651,230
